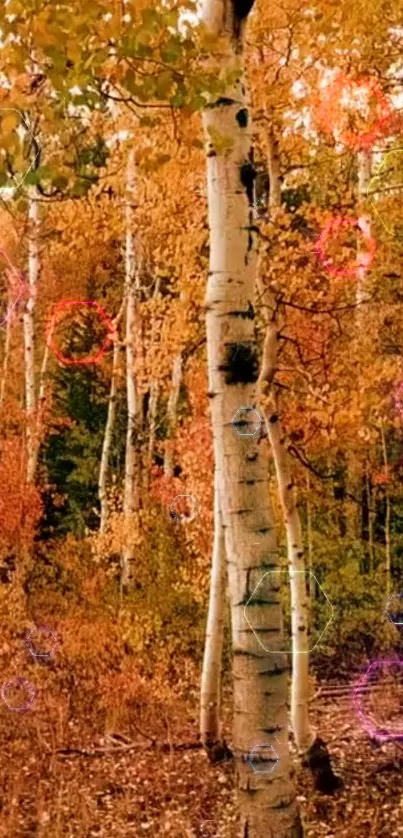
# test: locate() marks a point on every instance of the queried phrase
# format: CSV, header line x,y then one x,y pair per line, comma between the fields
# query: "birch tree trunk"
x,y
268,807
6,358
172,414
131,483
210,693
109,428
388,560
29,334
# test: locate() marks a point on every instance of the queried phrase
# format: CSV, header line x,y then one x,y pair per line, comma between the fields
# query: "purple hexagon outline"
x,y
288,651
357,701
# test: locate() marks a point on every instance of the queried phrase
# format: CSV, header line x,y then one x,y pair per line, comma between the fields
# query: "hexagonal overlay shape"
x,y
16,287
54,321
18,694
263,759
394,609
288,651
41,642
373,726
247,417
35,143
178,507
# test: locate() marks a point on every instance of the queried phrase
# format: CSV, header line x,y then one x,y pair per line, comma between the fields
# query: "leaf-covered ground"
x,y
146,791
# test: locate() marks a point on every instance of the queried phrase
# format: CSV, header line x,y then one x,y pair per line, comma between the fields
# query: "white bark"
x,y
172,414
131,482
388,557
6,358
29,335
210,693
364,177
304,736
109,428
268,805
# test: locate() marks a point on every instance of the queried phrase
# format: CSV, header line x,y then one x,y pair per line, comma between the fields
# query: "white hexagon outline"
x,y
265,745
288,651
17,186
41,654
247,408
386,609
184,519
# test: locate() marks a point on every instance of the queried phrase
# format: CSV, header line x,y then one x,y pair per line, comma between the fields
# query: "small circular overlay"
x,y
338,238
79,322
183,508
378,699
355,111
247,421
274,587
41,642
263,759
18,694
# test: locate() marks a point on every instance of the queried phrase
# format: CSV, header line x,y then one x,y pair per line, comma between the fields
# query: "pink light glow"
x,y
332,228
337,94
89,359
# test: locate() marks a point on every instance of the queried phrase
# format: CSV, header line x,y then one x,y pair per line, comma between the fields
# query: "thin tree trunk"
x,y
39,424
109,427
371,516
210,693
172,414
29,335
388,558
131,483
7,345
274,172
268,806
364,177
312,584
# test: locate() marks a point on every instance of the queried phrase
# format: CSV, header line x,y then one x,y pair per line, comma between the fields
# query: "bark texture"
x,y
268,807
109,428
29,335
131,483
210,694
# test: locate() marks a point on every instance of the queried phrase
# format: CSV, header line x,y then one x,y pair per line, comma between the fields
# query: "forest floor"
x,y
144,791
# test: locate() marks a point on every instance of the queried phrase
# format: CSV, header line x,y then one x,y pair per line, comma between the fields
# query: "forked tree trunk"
x,y
131,483
109,427
311,748
210,693
29,335
268,806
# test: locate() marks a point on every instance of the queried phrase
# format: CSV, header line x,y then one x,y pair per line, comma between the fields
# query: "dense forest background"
x,y
107,487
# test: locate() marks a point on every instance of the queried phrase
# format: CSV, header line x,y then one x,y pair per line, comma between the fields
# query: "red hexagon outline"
x,y
88,359
288,651
357,702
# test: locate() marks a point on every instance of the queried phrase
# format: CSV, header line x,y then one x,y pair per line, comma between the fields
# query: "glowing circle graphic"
x,y
345,93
